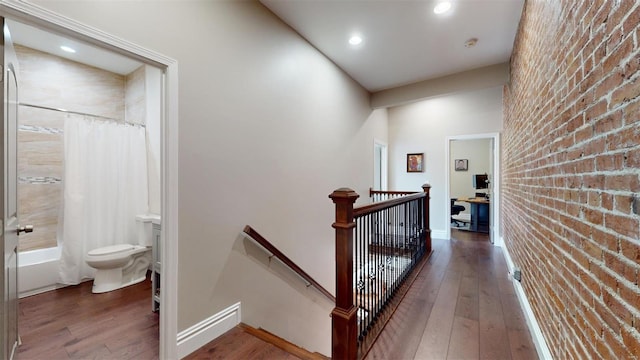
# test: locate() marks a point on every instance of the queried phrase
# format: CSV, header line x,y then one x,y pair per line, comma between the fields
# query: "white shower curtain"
x,y
104,188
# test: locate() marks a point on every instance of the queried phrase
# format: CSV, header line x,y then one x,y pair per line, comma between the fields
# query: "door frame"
x,y
384,163
34,15
494,229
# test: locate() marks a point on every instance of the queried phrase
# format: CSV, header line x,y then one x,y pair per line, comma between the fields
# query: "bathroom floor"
x,y
73,323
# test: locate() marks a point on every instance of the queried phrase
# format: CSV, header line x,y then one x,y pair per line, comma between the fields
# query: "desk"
x,y
479,213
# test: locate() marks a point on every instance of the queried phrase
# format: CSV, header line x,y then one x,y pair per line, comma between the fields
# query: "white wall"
x,y
424,127
479,155
268,129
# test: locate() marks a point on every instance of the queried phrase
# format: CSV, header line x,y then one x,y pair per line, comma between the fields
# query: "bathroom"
x,y
55,88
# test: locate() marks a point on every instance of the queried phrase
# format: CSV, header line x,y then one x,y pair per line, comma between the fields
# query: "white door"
x,y
9,196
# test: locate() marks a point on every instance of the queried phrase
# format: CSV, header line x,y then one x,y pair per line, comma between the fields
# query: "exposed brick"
x,y
624,225
594,181
627,182
607,316
631,339
610,162
630,249
617,347
593,216
605,239
624,203
607,201
612,80
618,56
608,123
625,93
624,139
620,310
607,280
621,268
571,216
630,295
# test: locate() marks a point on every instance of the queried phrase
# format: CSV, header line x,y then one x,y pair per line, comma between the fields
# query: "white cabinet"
x,y
156,268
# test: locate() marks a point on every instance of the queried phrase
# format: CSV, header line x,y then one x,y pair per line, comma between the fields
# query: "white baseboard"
x,y
193,338
438,234
538,339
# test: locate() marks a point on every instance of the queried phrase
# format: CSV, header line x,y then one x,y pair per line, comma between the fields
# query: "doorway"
x,y
50,22
473,174
379,165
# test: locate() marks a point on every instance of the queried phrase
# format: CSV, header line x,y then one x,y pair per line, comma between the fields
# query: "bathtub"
x,y
38,271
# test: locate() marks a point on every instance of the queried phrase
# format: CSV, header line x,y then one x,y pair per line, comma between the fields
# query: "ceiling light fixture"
x,y
355,40
442,7
67,49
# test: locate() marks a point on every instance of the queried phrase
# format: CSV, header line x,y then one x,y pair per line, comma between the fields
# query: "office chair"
x,y
455,210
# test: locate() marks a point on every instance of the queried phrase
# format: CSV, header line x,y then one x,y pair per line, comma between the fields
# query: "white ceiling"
x,y
48,42
404,40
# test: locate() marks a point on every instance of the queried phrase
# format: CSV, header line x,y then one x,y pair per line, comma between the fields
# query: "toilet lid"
x,y
113,249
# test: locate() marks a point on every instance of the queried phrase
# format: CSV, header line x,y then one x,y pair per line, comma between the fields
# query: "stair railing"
x,y
255,236
377,247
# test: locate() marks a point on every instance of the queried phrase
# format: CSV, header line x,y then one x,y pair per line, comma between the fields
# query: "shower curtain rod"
x,y
77,113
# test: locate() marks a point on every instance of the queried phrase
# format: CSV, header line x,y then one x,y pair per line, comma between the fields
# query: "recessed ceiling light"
x,y
355,40
442,7
67,49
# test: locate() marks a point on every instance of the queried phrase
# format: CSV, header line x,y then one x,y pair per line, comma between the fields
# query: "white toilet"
x,y
123,264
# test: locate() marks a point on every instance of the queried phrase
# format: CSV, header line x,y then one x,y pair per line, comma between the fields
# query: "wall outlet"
x,y
517,274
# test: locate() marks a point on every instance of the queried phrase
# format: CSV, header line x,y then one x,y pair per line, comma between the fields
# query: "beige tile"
x,y
39,205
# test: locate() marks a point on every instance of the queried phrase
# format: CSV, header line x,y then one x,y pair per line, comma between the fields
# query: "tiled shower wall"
x,y
51,81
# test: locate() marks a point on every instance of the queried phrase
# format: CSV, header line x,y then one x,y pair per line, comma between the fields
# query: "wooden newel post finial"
x,y
344,334
427,225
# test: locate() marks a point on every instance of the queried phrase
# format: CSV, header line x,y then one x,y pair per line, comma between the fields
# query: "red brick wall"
x,y
571,180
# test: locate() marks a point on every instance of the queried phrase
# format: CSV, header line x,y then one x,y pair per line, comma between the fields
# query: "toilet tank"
x,y
144,223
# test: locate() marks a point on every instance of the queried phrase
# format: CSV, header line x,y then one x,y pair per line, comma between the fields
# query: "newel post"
x,y
427,226
344,334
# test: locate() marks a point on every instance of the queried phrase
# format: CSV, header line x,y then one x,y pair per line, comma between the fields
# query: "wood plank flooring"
x,y
238,344
461,306
73,323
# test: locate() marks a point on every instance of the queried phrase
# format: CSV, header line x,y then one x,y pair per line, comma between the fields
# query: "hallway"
x,y
461,306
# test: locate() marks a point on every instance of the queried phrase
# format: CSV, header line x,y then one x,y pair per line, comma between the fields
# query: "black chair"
x,y
455,210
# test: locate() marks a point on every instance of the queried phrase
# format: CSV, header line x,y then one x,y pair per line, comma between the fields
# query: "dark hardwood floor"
x,y
73,323
461,306
238,344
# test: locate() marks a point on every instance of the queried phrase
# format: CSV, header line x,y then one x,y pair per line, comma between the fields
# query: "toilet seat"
x,y
111,250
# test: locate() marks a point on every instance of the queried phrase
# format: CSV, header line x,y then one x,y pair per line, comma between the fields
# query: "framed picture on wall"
x,y
461,164
415,162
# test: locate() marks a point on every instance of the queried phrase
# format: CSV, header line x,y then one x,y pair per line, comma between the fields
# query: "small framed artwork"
x,y
461,164
415,162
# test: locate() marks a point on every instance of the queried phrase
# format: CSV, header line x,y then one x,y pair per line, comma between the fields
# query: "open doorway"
x,y
379,165
472,184
166,149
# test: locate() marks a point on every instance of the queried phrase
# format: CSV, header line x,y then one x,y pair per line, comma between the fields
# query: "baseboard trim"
x,y
439,234
196,336
538,339
41,290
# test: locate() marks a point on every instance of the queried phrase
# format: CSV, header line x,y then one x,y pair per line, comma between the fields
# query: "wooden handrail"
x,y
371,208
347,323
285,260
391,192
